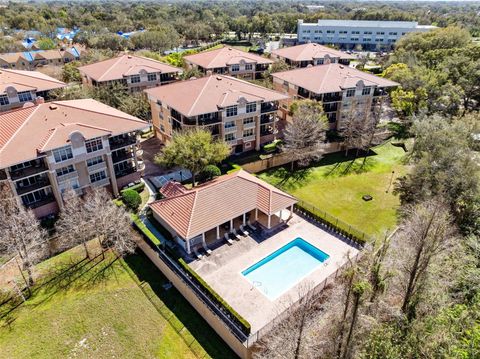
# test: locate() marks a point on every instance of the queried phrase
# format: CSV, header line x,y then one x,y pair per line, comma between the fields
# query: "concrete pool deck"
x,y
222,270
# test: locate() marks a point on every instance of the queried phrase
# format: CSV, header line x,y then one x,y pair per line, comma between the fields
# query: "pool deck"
x,y
222,269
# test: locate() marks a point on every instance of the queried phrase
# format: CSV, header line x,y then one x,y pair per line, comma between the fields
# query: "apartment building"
x,y
230,61
311,54
18,87
29,60
48,148
239,112
340,88
135,72
370,35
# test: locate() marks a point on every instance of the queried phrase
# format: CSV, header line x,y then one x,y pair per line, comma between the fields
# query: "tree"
x,y
46,43
70,72
304,137
112,95
136,105
20,232
193,150
132,199
162,39
210,172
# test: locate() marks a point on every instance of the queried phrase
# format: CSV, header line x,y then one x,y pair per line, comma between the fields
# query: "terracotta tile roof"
x,y
27,80
209,94
223,57
13,57
172,188
203,208
124,65
310,51
330,78
48,54
25,133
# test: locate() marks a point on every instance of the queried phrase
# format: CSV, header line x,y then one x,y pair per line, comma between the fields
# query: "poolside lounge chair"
x,y
237,236
197,253
243,230
251,226
208,250
227,238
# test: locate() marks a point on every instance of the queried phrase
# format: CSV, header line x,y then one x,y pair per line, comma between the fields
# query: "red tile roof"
x,y
124,65
201,209
223,57
27,132
310,51
27,80
209,94
330,78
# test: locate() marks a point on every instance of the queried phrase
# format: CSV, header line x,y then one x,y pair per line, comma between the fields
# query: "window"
x,y
64,170
350,92
97,176
355,32
94,145
95,160
235,67
320,61
246,121
251,107
330,31
231,111
152,77
366,91
4,100
354,39
343,32
392,33
248,67
24,96
229,137
36,196
20,166
162,128
135,79
248,132
380,33
62,154
229,124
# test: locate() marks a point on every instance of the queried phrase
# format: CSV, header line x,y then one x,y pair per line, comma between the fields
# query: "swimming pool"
x,y
282,269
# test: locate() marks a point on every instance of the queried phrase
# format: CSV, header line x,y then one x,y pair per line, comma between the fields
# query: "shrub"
x,y
235,168
143,228
132,199
137,187
210,172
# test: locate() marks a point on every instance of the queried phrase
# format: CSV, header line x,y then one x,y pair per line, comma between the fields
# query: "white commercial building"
x,y
371,35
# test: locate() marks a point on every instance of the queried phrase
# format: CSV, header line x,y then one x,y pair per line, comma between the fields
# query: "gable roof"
x,y
28,132
310,51
209,94
223,57
201,209
331,78
27,80
124,65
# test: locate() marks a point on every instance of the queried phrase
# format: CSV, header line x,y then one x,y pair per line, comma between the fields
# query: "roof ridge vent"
x,y
341,66
219,78
52,106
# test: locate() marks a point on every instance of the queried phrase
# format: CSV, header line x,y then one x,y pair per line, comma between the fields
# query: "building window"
x,y
350,92
135,79
367,32
97,176
64,170
94,145
248,67
231,111
354,39
95,160
343,32
320,61
235,68
4,100
355,32
229,137
36,196
366,91
246,121
24,96
162,128
62,154
229,124
248,132
152,77
392,33
380,33
251,107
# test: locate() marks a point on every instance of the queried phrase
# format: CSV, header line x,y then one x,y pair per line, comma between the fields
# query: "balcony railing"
x,y
122,156
267,118
102,182
230,129
268,107
42,201
249,125
97,166
248,138
35,168
67,176
125,172
119,142
44,182
231,142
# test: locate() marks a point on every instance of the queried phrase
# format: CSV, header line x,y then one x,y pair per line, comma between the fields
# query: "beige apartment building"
x,y
29,60
48,148
135,72
341,89
19,87
311,54
244,115
230,61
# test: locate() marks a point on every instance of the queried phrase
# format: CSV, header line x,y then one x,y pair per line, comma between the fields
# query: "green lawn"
x,y
98,310
337,184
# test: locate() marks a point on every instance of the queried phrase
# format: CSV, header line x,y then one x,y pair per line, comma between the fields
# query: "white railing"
x,y
98,166
248,138
101,183
67,176
230,129
232,142
249,125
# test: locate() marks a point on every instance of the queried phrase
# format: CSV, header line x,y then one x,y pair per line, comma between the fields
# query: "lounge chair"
x,y
197,253
251,226
237,236
208,250
227,238
243,230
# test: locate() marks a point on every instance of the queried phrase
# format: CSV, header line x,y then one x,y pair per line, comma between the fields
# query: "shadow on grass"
x,y
147,272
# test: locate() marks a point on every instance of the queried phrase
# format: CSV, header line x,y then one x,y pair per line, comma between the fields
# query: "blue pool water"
x,y
285,267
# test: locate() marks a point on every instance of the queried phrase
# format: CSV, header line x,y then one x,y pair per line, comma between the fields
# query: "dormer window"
x,y
62,154
24,96
251,107
152,77
231,111
248,67
135,79
366,91
94,145
235,67
4,100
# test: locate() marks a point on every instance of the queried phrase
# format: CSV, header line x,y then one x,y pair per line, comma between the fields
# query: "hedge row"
x,y
235,168
246,328
339,227
143,228
138,187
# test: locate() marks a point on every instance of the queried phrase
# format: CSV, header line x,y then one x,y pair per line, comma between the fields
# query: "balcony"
x,y
230,129
268,107
46,199
267,118
101,183
248,125
67,176
122,141
43,182
332,97
120,156
125,171
248,138
231,142
35,167
96,167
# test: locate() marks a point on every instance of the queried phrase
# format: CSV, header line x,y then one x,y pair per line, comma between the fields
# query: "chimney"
x,y
39,100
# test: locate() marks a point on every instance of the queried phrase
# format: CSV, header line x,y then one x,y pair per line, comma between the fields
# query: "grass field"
x,y
337,184
97,310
